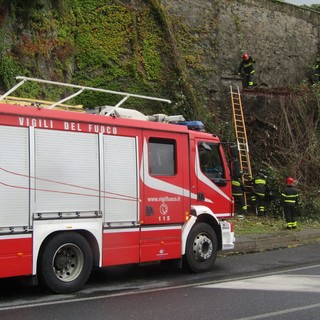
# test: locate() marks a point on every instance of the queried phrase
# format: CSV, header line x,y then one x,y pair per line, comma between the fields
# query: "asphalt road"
x,y
280,284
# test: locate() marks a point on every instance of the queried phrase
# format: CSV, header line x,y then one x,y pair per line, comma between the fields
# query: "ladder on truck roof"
x,y
241,136
40,103
80,90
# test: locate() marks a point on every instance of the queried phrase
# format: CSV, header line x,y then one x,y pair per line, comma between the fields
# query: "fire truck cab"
x,y
79,190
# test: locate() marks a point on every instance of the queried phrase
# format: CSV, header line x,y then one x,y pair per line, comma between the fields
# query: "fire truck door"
x,y
165,199
214,189
121,200
164,178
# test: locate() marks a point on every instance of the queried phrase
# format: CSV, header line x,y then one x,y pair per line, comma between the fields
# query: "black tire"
x,y
65,262
202,248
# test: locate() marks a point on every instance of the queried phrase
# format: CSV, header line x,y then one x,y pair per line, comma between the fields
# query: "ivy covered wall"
x,y
116,45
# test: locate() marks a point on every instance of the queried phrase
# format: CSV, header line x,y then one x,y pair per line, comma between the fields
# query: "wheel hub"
x,y
68,262
202,247
61,261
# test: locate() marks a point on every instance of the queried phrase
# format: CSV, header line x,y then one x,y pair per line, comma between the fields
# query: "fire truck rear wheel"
x,y
202,248
65,262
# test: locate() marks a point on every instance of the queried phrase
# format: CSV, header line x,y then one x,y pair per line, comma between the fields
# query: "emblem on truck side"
x,y
163,208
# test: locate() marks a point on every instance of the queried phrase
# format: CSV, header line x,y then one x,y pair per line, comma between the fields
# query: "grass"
x,y
253,224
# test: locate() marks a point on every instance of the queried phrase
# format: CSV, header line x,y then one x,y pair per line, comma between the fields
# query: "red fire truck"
x,y
79,190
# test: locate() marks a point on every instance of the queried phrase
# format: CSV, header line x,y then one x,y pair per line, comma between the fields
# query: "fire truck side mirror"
x,y
234,163
233,151
235,169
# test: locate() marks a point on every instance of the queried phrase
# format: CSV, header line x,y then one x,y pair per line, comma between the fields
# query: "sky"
x,y
301,2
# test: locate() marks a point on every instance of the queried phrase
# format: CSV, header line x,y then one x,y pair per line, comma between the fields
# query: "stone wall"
x,y
283,38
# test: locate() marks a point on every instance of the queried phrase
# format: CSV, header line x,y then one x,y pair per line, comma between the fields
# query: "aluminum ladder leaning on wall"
x,y
241,137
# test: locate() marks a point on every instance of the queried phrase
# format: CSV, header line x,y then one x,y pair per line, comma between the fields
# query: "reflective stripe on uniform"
x,y
290,198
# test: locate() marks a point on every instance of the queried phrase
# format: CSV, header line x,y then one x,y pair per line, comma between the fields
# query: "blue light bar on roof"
x,y
193,125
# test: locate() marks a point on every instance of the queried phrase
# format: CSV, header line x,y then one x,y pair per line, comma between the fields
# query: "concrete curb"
x,y
272,241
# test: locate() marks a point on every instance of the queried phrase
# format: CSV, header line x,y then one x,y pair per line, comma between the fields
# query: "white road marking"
x,y
277,313
285,282
274,282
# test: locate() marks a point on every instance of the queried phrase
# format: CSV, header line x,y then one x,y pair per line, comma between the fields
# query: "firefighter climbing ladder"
x,y
241,135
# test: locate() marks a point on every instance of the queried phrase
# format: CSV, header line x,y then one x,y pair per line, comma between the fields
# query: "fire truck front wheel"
x,y
65,262
202,248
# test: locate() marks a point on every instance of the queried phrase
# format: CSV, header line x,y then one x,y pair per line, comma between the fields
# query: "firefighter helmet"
x,y
290,181
245,56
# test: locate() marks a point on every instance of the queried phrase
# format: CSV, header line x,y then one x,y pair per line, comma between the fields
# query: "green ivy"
x,y
132,47
9,69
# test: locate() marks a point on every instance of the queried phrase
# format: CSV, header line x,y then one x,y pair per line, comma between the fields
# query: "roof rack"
x,y
113,111
80,90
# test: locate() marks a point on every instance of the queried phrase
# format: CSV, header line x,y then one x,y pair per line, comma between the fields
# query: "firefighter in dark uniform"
x,y
247,67
290,199
238,194
259,192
